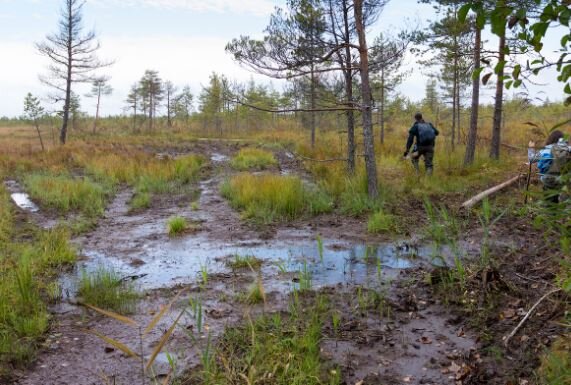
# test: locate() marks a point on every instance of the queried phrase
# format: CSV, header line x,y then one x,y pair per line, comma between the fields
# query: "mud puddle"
x,y
183,261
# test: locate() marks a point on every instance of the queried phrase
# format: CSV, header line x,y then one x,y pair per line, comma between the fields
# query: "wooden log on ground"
x,y
477,198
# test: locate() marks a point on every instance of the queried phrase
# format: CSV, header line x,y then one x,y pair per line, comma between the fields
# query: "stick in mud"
x,y
507,340
477,198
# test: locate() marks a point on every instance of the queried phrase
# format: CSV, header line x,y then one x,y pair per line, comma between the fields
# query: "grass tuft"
x,y
381,222
244,262
266,198
253,158
177,226
105,289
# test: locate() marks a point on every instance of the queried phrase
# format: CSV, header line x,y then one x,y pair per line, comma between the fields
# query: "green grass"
x,y
27,268
267,198
105,289
244,262
271,349
556,364
177,226
381,222
65,193
254,295
253,158
141,200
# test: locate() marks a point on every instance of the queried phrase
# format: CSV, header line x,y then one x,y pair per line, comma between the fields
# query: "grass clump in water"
x,y
177,226
253,158
381,222
105,289
266,198
244,262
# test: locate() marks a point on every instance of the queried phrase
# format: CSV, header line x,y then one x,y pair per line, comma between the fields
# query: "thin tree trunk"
x,y
473,132
349,90
368,140
498,105
454,106
39,134
97,110
63,133
382,106
313,106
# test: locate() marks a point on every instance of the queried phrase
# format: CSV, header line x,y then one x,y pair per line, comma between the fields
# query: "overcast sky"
x,y
182,39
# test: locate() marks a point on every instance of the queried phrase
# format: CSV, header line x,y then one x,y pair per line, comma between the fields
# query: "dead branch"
x,y
477,198
326,109
507,340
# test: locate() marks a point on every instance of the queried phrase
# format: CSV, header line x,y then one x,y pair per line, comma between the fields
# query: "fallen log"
x,y
477,198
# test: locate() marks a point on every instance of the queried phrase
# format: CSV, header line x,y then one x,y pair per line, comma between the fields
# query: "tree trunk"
x,y
39,134
498,105
67,103
313,106
97,110
349,90
473,132
382,106
368,140
454,100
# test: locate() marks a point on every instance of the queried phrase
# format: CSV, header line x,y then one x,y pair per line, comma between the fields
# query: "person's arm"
x,y
411,134
436,133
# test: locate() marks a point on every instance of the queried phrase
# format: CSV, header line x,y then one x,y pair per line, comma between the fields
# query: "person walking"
x,y
553,162
425,135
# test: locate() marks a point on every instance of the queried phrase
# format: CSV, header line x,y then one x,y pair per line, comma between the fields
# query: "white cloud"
x,y
256,7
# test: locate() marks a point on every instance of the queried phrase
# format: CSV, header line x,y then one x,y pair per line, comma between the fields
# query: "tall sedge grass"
x,y
253,158
271,197
65,193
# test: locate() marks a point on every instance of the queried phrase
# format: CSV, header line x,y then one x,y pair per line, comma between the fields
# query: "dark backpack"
x,y
561,155
426,134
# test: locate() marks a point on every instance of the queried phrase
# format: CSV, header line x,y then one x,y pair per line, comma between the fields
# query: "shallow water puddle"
x,y
24,202
218,158
185,260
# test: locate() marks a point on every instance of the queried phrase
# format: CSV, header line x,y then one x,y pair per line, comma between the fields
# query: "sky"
x,y
183,40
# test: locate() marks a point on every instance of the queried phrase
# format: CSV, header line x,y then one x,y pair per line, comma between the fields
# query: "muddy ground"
x,y
430,337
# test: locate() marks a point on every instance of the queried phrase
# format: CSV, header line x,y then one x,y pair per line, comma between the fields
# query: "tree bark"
x,y
382,106
498,105
97,109
473,132
67,103
313,106
368,140
349,91
39,133
454,100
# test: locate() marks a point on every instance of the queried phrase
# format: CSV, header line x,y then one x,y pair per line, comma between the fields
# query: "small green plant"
x,y
320,247
105,289
381,222
204,274
255,294
244,262
141,200
487,220
336,323
196,307
194,206
305,278
177,225
556,363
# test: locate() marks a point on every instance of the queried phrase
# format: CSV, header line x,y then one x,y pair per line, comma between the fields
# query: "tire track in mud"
x,y
374,349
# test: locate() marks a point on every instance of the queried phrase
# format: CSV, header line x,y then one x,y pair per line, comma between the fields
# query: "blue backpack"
x,y
426,134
